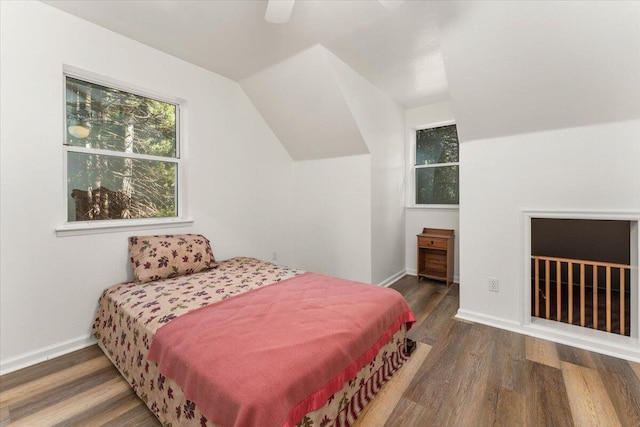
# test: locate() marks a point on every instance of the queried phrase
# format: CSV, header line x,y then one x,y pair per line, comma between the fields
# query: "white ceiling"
x,y
396,49
529,66
304,102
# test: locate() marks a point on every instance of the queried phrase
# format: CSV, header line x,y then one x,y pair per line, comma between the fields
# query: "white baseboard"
x,y
31,358
611,345
414,272
389,280
496,322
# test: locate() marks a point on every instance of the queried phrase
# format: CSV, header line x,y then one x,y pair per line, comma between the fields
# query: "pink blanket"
x,y
269,356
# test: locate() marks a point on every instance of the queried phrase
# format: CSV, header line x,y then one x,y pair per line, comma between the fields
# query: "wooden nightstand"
x,y
435,254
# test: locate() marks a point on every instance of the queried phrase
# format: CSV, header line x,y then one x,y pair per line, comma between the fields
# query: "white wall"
x,y
589,169
349,217
593,168
547,104
332,216
418,218
303,104
381,124
239,176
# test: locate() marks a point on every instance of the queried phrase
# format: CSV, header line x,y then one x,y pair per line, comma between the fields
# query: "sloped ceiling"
x,y
399,54
303,104
521,67
392,43
282,67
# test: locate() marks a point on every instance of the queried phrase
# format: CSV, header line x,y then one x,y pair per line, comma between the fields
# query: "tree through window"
x,y
437,166
122,154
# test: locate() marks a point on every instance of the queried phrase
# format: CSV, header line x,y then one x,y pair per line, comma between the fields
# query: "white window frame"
x,y
70,228
414,167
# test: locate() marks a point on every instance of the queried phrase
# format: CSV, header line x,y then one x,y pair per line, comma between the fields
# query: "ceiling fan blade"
x,y
279,11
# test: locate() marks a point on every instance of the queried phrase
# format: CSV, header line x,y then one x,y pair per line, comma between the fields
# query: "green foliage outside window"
x,y
437,169
122,154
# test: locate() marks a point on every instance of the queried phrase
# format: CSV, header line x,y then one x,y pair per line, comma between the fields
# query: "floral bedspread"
x,y
156,303
130,313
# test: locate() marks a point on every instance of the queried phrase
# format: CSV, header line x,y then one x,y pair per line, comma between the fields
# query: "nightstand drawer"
x,y
432,242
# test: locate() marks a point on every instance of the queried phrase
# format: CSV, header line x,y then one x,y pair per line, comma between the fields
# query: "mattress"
x,y
130,314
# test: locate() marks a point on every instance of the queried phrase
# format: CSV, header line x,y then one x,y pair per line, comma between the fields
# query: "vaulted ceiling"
x,y
393,44
517,67
511,67
303,101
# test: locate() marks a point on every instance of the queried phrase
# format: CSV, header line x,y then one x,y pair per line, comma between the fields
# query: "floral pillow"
x,y
161,257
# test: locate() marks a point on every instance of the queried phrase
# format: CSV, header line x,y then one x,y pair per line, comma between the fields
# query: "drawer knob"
x,y
432,242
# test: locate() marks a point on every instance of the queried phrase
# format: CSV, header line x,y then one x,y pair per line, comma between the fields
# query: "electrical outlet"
x,y
494,284
274,256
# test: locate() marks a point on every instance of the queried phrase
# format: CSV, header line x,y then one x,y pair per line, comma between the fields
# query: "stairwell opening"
x,y
582,273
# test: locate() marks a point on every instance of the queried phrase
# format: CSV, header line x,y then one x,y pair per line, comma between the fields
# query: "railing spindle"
x,y
570,289
622,304
595,297
547,290
583,302
559,291
537,280
608,296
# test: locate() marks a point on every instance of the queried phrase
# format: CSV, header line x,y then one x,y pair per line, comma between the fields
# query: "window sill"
x,y
111,226
455,208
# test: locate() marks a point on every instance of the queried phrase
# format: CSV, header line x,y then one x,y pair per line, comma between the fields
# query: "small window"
x,y
437,166
122,154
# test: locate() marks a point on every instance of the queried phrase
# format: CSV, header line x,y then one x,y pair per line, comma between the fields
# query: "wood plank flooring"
x,y
461,374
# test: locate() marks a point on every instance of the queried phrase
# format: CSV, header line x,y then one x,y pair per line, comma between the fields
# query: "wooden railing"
x,y
548,264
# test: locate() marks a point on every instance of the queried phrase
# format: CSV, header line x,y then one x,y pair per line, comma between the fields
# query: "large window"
x,y
122,154
437,166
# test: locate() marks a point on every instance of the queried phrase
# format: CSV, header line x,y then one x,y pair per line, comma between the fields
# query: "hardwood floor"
x,y
461,374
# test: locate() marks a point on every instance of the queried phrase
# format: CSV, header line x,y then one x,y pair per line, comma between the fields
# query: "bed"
x,y
176,335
